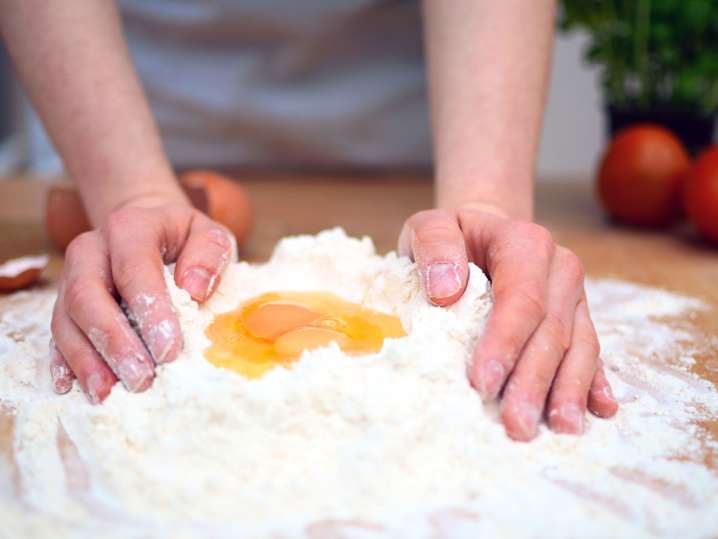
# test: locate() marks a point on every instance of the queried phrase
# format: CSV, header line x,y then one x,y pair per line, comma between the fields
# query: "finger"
x,y
529,383
601,401
203,258
518,258
86,364
569,395
96,313
138,274
60,372
436,243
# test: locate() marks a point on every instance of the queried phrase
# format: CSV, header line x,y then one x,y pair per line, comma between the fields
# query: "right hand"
x,y
92,339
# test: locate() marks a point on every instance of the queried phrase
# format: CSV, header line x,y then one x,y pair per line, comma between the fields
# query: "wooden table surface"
x,y
675,260
377,206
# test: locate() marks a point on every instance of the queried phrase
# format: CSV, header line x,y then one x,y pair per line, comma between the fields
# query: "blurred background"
x,y
627,166
632,55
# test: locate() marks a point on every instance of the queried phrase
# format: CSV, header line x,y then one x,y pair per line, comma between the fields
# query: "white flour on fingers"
x,y
395,444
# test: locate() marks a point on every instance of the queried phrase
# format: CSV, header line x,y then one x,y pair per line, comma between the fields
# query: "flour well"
x,y
395,444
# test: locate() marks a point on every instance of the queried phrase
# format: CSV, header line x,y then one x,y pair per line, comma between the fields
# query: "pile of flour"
x,y
395,444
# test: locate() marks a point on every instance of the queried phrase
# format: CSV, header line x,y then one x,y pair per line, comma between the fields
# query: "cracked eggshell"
x,y
19,273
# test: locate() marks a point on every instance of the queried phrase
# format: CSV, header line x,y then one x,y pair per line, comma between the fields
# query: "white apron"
x,y
283,82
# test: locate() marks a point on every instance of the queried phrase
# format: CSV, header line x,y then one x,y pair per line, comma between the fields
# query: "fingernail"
x,y
443,280
60,373
604,392
492,377
61,378
134,374
570,419
527,416
161,341
93,384
197,281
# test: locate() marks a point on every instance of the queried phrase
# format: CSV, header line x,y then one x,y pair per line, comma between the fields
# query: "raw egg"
x,y
276,328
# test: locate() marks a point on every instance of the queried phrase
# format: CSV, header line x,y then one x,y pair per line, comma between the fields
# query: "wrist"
x,y
151,197
512,205
484,207
101,199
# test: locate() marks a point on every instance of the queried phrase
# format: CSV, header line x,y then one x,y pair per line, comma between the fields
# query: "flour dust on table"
x,y
393,443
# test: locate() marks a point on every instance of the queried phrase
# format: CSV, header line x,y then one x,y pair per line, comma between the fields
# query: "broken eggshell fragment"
x,y
19,273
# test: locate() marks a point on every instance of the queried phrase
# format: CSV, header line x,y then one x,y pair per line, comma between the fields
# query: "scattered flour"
x,y
395,444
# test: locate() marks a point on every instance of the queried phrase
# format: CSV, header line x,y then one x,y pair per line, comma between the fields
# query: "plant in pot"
x,y
658,60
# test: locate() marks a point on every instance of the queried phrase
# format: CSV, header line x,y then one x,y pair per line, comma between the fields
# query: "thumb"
x,y
205,254
435,242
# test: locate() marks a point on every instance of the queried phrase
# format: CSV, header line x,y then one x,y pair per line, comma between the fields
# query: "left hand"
x,y
539,350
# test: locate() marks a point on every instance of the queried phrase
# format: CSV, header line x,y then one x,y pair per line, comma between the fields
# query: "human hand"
x,y
124,259
539,350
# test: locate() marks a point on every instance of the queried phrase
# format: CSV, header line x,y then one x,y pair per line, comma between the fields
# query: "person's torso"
x,y
283,82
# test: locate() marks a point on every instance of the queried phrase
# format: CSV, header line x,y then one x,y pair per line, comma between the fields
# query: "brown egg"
x,y
220,197
21,272
65,216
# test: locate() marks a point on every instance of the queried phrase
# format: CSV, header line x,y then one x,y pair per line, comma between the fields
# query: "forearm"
x,y
74,64
488,66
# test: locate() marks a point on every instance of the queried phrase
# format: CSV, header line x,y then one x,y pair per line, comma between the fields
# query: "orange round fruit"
x,y
641,176
700,194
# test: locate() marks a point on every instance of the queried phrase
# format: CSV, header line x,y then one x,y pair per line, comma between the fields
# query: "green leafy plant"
x,y
653,53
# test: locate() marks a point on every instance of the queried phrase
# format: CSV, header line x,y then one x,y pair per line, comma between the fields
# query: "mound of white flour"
x,y
395,444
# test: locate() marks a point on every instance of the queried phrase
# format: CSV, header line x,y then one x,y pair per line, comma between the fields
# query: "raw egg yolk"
x,y
275,328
